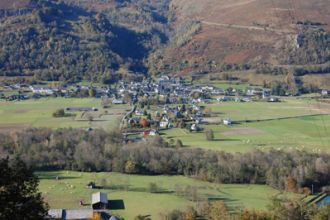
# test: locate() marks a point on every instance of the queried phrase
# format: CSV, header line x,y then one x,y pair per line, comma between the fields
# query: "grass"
x,y
298,130
133,190
38,113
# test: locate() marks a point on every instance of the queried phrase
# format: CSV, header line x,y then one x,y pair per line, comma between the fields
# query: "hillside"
x,y
247,32
70,42
104,40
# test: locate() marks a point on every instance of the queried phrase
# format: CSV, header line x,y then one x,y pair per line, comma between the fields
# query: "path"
x,y
247,27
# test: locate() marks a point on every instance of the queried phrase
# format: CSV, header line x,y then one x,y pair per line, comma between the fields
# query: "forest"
x,y
63,42
75,149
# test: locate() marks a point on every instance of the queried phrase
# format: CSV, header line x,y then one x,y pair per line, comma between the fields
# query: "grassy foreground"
x,y
135,193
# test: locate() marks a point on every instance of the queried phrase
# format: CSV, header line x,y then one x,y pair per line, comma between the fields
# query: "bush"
x,y
153,188
59,113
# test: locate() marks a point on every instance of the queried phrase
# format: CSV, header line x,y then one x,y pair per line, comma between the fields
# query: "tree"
x,y
19,198
178,144
144,122
91,92
153,188
59,113
105,101
217,211
283,209
253,215
142,217
209,135
291,184
130,167
323,213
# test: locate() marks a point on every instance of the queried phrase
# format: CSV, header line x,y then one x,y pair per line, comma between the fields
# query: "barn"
x,y
99,201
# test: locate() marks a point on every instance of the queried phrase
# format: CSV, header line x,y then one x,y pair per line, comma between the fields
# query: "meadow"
x,y
290,124
38,113
70,188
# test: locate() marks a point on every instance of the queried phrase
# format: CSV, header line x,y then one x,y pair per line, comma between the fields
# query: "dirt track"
x,y
236,26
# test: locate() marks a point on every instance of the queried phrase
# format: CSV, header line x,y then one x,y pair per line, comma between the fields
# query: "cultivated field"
x,y
38,113
291,124
134,191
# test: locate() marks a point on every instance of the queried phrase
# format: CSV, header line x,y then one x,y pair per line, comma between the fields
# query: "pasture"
x,y
38,113
134,191
290,124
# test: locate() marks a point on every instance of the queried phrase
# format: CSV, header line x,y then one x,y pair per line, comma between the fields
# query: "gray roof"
x,y
71,214
56,213
99,197
79,214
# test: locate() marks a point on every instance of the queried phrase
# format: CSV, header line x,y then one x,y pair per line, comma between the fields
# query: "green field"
x,y
38,113
293,127
134,191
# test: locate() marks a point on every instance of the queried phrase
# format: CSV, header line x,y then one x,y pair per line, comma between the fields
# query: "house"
x,y
153,132
266,93
77,214
138,113
91,185
273,99
194,127
324,92
164,123
227,121
41,90
117,101
99,201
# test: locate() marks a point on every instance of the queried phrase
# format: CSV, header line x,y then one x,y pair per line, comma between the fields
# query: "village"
x,y
156,105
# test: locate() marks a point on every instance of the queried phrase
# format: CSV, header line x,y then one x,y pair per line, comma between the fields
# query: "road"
x,y
236,26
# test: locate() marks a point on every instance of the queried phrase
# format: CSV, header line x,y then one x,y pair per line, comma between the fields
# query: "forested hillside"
x,y
105,40
69,42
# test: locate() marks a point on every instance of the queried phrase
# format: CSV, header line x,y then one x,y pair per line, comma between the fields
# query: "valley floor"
x,y
173,192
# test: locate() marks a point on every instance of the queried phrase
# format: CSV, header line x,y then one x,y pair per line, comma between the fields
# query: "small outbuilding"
x,y
227,121
99,201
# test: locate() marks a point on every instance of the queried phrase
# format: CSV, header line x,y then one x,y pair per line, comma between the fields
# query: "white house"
x,y
324,92
227,121
164,123
117,101
41,90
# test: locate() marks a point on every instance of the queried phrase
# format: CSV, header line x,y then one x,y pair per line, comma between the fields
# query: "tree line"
x,y
97,150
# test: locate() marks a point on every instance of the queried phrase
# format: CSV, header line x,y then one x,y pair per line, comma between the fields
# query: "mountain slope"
x,y
63,41
248,32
